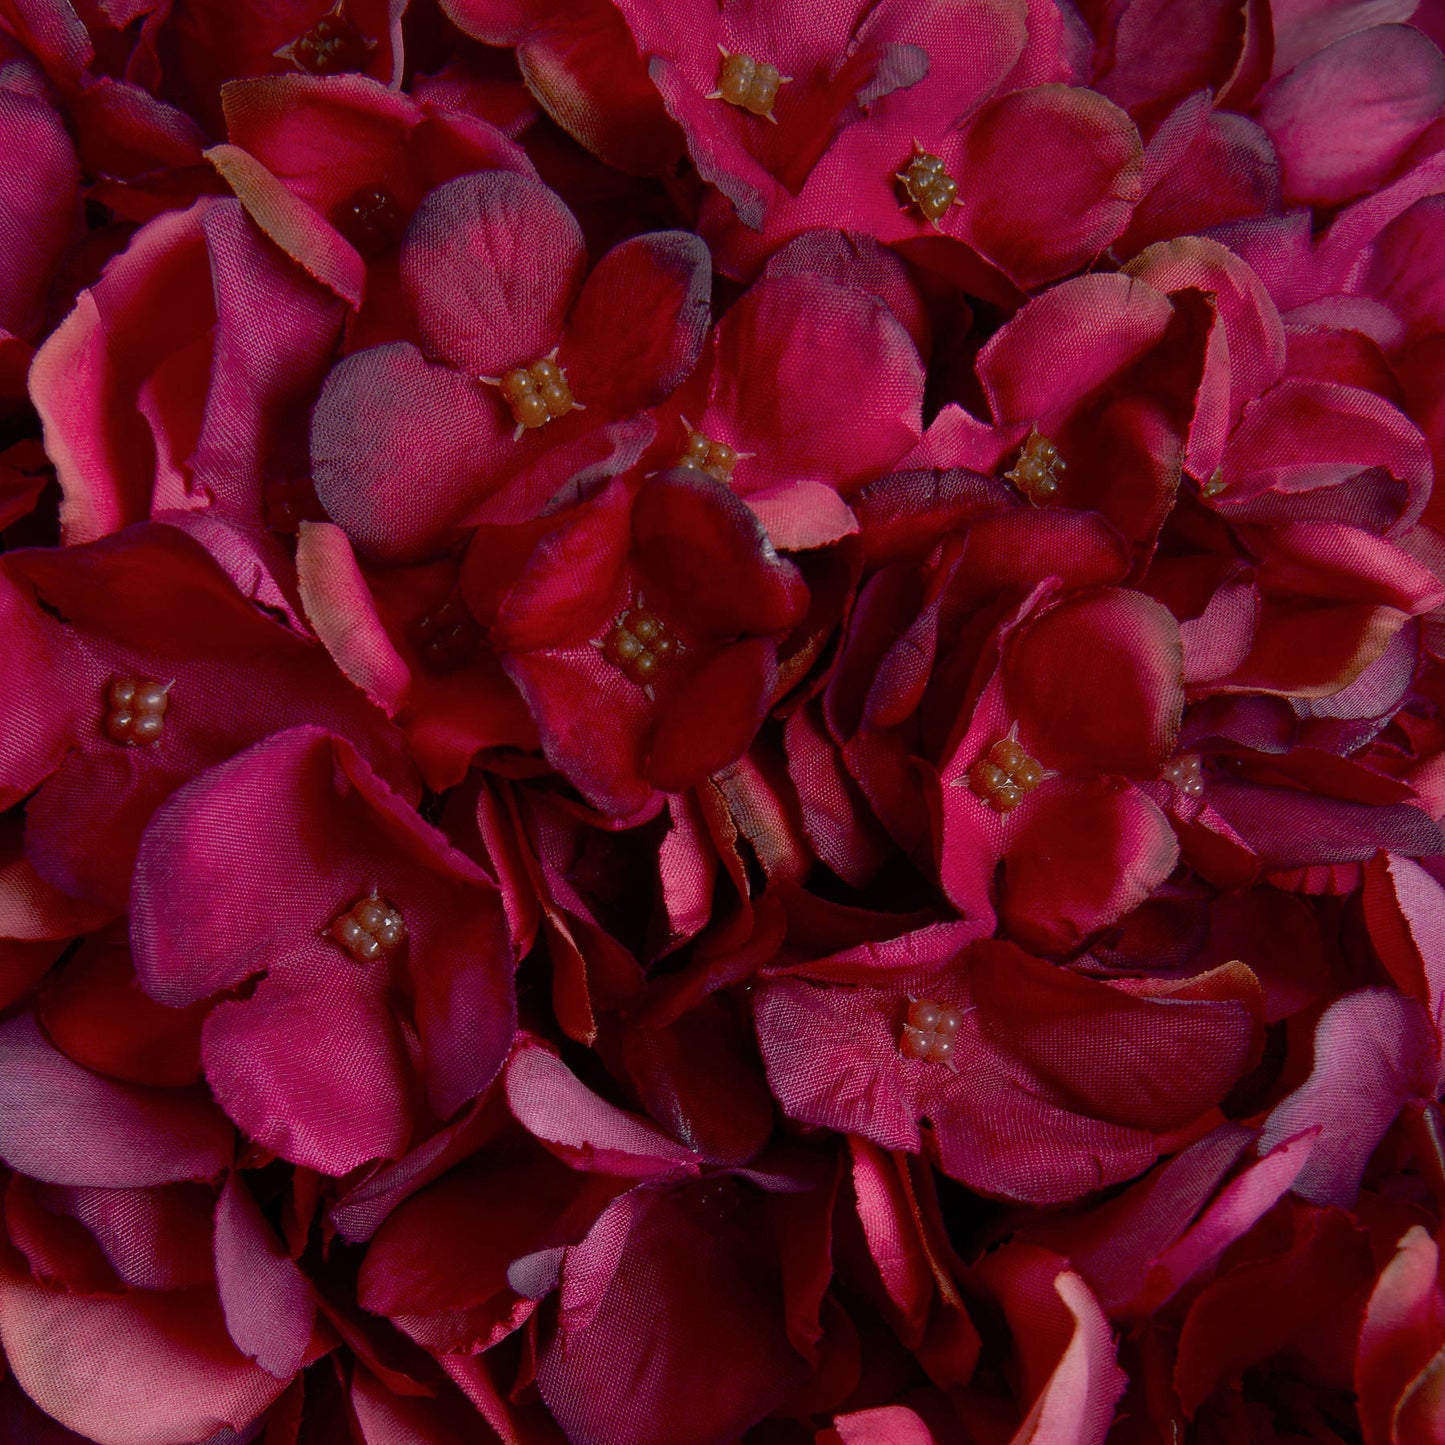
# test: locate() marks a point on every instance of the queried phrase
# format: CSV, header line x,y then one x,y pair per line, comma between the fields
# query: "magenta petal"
x,y
693,538
1081,860
640,322
708,721
385,417
314,1062
1053,215
1229,1216
1311,449
1110,322
62,1124
141,1369
882,1425
785,354
1375,1052
1389,80
39,203
864,1089
1120,714
709,1344
1074,1394
492,262
265,1297
328,1092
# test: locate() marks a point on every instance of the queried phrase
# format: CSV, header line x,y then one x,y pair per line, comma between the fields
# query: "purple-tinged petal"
x,y
264,1296
1389,80
1375,1052
388,418
492,262
62,1124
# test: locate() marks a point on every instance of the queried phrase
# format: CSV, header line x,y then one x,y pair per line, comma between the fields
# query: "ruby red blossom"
x,y
722,723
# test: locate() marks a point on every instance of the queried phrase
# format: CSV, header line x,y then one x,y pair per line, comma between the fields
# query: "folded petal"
x,y
265,1298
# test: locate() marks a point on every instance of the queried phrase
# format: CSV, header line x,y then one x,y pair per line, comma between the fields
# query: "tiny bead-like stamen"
x,y
136,710
537,394
749,84
639,645
371,219
1004,775
1036,472
1186,772
331,46
929,185
929,1031
368,928
447,638
702,454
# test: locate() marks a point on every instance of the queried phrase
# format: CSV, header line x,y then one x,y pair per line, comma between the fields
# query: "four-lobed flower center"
x,y
1004,775
537,394
372,219
1186,772
447,638
750,84
929,185
331,46
702,454
369,928
136,710
1036,472
930,1031
640,645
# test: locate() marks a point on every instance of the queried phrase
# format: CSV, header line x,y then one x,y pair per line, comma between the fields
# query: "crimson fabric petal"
x,y
265,1298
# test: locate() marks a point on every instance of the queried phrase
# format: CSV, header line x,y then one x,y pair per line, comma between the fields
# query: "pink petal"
x,y
37,207
1404,910
1044,221
64,1125
1302,27
1122,713
1081,860
640,322
782,355
1375,1052
863,1090
882,1425
1110,321
384,415
1402,1334
144,1369
555,1106
314,244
